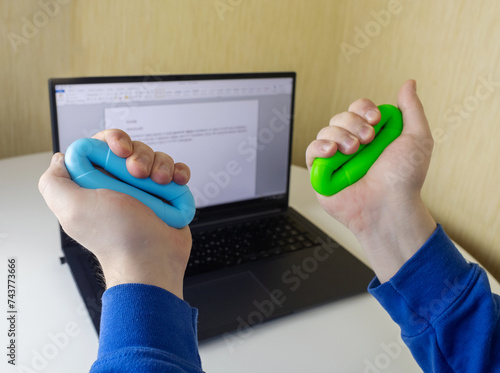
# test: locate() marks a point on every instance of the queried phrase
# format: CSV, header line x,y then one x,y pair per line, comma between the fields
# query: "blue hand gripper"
x,y
84,152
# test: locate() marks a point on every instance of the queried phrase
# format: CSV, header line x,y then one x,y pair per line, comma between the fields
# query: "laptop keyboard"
x,y
246,242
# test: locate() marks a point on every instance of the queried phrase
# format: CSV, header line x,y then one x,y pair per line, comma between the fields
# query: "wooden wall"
x,y
341,50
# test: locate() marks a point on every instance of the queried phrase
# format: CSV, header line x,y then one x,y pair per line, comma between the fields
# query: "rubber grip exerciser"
x,y
83,153
331,175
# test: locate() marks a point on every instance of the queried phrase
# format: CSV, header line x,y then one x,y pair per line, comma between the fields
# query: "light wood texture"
x,y
451,47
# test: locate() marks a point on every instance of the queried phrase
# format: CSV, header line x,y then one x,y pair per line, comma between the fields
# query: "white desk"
x,y
55,333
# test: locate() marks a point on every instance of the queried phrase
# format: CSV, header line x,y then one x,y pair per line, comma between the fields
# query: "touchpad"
x,y
227,303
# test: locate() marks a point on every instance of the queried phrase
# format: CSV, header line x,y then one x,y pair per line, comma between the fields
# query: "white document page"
x,y
205,136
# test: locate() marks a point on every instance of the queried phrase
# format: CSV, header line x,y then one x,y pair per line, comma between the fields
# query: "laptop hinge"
x,y
232,219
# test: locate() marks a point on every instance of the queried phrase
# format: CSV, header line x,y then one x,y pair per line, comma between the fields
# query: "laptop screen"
x,y
233,131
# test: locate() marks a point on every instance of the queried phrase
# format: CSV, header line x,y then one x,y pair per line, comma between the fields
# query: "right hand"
x,y
395,178
386,201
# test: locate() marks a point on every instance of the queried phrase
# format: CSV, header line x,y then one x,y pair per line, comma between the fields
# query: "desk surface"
x,y
55,333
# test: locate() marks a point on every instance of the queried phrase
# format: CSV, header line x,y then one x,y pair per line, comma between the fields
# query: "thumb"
x,y
414,120
57,170
56,186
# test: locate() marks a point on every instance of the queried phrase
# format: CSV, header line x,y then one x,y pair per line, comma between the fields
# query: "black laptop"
x,y
253,258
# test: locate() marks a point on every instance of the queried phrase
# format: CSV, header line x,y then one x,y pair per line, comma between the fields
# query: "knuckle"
x,y
361,103
339,118
163,159
322,133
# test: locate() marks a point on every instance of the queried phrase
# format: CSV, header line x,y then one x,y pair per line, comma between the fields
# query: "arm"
x,y
398,235
448,316
145,328
145,324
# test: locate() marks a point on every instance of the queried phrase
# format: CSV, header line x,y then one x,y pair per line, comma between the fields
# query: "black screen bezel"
x,y
212,213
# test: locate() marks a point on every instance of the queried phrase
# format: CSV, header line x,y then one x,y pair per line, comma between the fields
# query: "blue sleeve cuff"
x,y
426,285
146,316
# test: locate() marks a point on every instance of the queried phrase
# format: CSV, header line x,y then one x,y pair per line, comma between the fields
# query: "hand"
x,y
132,244
383,209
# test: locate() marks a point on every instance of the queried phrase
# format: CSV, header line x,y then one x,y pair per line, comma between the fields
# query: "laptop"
x,y
254,258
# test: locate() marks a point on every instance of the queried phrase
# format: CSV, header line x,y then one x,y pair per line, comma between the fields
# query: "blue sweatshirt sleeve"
x,y
145,328
448,316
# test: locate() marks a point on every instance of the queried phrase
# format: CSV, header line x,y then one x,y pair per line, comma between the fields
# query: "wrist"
x,y
396,233
169,277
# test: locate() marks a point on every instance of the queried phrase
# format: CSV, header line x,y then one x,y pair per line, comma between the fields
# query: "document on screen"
x,y
205,136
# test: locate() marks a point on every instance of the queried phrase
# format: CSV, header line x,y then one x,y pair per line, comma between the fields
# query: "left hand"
x,y
132,244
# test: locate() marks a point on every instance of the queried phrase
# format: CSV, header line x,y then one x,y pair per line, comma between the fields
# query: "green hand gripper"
x,y
331,175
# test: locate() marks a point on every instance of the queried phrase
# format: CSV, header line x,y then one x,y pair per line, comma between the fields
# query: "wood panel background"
x,y
341,51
